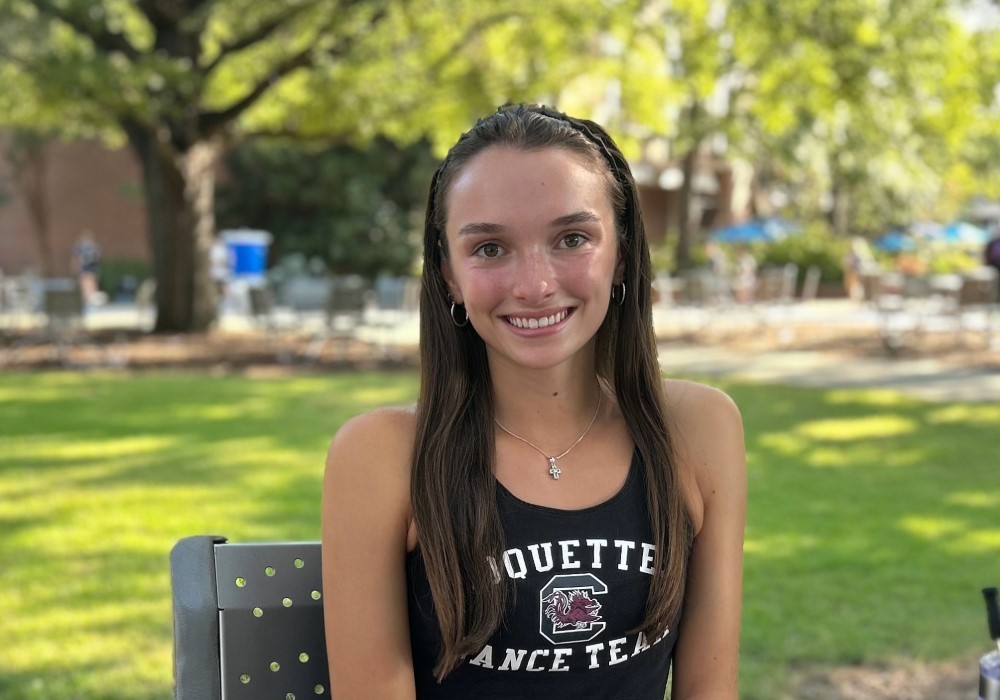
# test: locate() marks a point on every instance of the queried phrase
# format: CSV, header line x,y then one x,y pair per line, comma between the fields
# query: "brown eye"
x,y
573,240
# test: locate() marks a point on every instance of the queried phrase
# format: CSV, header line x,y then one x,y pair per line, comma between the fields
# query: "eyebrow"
x,y
579,217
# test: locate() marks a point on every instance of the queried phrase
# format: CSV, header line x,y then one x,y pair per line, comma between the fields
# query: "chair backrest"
x,y
63,302
248,620
810,285
261,301
776,283
698,287
979,288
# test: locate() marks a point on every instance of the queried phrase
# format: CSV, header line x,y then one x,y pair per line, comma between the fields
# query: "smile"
x,y
542,322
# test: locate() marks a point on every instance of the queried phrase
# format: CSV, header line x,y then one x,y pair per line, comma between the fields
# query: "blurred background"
x,y
151,126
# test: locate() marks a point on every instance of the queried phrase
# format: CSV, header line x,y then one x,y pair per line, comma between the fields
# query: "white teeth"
x,y
543,322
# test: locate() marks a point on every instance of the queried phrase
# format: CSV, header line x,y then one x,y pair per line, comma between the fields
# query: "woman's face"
x,y
532,253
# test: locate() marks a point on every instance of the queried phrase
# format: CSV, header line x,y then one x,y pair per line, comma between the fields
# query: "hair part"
x,y
453,487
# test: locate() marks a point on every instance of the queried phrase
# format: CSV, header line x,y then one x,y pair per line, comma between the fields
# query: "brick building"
x,y
75,186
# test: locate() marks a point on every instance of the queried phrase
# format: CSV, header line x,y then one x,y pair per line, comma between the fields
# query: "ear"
x,y
449,278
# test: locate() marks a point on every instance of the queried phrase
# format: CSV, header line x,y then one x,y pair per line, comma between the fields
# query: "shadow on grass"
x,y
872,526
102,474
872,520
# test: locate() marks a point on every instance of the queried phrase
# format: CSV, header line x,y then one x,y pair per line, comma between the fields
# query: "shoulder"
x,y
382,430
697,404
369,457
707,432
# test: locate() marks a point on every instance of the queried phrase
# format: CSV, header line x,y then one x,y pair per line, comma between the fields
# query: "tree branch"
x,y
474,30
211,122
262,32
103,38
65,88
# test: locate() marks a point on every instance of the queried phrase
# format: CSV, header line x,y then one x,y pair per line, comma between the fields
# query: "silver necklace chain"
x,y
554,470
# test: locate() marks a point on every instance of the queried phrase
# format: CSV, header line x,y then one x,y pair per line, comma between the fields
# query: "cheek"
x,y
479,288
598,272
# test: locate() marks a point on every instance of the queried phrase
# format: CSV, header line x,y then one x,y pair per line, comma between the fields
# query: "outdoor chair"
x,y
392,320
810,284
977,300
276,322
776,285
773,294
700,298
261,305
61,304
344,315
248,620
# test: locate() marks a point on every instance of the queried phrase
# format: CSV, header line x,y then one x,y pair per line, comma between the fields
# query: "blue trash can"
x,y
248,252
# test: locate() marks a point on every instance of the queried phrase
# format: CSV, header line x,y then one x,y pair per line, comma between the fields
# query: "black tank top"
x,y
582,578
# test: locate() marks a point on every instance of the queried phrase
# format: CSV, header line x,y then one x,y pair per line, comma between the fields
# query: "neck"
x,y
548,407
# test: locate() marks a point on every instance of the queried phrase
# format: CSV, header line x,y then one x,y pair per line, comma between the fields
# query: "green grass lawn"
x,y
873,518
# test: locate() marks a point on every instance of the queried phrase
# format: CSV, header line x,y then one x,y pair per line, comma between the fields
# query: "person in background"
x,y
86,265
858,259
552,519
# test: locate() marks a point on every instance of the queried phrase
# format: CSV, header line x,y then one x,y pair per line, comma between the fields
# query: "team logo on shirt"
x,y
569,609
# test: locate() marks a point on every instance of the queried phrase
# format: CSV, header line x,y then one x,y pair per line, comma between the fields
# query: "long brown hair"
x,y
453,489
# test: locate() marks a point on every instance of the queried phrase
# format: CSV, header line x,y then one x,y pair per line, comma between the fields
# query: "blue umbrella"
x,y
962,233
753,231
894,242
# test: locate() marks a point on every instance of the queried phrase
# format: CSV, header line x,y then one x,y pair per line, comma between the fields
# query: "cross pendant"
x,y
553,469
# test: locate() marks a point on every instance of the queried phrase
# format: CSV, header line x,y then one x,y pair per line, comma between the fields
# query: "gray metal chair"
x,y
248,620
349,297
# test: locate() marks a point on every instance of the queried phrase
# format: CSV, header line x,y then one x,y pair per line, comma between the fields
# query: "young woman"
x,y
552,519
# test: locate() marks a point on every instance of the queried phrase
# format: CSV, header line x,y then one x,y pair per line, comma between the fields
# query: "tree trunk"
x,y
180,192
34,187
839,219
683,251
27,154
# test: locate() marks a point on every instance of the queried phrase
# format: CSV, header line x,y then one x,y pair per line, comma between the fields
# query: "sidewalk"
x,y
922,378
719,343
924,375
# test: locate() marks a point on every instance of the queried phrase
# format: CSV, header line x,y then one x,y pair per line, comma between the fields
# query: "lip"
x,y
539,321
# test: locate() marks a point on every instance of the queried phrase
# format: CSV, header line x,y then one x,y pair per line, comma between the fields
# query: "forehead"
x,y
502,182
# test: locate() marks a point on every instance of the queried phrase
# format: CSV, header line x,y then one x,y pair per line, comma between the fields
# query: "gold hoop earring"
x,y
465,316
618,299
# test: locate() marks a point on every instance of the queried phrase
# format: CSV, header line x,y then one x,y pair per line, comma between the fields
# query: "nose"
x,y
535,278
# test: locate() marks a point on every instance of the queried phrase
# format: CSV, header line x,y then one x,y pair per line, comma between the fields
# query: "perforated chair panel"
x,y
271,621
248,621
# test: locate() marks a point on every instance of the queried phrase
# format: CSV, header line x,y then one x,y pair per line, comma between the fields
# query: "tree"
x,y
868,106
180,79
25,153
358,210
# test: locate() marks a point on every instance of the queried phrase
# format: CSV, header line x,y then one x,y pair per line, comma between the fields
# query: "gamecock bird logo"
x,y
571,609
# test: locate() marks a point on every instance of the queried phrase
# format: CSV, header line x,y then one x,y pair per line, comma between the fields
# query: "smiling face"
x,y
532,253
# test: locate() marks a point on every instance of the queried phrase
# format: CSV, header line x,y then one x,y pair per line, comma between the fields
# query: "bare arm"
x,y
365,522
712,451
